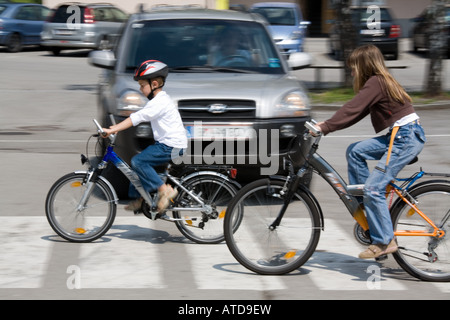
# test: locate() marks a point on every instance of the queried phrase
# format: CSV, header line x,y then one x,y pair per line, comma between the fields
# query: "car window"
x,y
103,14
65,14
277,16
187,45
119,15
2,9
363,15
42,13
27,13
62,16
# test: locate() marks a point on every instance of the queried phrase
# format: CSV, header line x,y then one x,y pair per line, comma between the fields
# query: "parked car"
x,y
224,98
21,24
384,35
420,33
287,26
83,26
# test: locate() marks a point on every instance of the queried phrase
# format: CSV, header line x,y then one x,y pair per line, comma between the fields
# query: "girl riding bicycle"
x,y
389,106
168,132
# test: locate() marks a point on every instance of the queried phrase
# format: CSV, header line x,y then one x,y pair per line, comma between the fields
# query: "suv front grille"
x,y
217,109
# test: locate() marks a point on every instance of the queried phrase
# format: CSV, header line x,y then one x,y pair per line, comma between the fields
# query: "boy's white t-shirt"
x,y
165,119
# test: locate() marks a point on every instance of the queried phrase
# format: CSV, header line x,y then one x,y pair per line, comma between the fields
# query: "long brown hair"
x,y
367,61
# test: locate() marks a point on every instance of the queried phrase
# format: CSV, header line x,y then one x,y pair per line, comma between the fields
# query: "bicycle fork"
x,y
292,187
89,181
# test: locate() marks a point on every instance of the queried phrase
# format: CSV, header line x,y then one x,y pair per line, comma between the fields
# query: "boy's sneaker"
x,y
165,197
376,250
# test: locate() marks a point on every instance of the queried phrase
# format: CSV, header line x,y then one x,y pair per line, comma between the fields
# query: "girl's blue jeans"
x,y
407,145
143,164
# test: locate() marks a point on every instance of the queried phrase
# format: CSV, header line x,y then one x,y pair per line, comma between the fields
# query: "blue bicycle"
x,y
81,206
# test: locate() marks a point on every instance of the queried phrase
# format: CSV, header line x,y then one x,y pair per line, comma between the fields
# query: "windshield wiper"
x,y
209,69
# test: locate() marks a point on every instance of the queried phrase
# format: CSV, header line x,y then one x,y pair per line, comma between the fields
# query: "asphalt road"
x,y
47,104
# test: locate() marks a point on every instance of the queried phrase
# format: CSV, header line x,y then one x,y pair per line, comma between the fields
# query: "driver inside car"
x,y
230,51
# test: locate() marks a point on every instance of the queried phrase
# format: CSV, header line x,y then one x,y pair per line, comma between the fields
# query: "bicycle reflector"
x,y
233,173
75,184
290,254
80,230
410,212
188,220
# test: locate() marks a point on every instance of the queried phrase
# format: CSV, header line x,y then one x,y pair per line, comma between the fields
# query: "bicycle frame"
x,y
402,193
348,193
111,156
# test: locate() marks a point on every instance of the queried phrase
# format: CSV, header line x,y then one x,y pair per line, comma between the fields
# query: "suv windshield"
x,y
193,45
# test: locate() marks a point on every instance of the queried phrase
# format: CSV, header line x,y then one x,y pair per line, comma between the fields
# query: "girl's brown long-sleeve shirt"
x,y
371,99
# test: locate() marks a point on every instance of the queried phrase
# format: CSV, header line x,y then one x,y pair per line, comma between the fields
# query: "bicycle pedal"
x,y
162,216
381,258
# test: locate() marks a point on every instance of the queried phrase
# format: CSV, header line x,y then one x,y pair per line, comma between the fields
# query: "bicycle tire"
x,y
202,227
85,225
416,254
260,249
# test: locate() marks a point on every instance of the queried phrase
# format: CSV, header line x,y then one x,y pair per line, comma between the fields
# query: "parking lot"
x,y
46,116
412,78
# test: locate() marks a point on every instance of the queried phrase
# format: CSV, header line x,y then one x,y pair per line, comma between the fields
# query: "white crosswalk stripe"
x,y
131,257
121,263
23,252
335,265
209,270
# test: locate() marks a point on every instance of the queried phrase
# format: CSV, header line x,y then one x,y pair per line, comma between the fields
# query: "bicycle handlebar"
x,y
312,128
103,133
99,128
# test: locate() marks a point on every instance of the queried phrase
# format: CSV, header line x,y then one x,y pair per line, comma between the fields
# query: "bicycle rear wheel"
x,y
265,250
80,224
426,258
204,227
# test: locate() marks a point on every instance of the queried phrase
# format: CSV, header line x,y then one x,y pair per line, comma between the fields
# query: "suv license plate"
x,y
221,132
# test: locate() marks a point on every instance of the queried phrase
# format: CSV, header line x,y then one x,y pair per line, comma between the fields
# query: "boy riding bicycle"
x,y
168,132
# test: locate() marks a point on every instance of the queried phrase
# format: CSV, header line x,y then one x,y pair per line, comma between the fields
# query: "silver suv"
x,y
82,26
232,87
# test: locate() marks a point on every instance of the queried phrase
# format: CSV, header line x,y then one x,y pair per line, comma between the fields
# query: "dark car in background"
x,y
83,26
421,30
239,104
384,34
21,24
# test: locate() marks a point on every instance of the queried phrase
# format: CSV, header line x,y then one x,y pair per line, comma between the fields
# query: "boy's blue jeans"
x,y
407,145
143,164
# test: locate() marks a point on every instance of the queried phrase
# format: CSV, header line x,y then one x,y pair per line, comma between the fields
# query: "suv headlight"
x,y
292,104
130,101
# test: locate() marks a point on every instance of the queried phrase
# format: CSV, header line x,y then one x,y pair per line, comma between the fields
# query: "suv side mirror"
x,y
299,60
102,59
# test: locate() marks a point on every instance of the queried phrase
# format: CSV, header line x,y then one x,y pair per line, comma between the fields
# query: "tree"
x,y
348,35
438,47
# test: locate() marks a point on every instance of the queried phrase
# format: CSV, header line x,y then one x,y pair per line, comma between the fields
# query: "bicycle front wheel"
x,y
74,221
204,227
263,249
424,257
